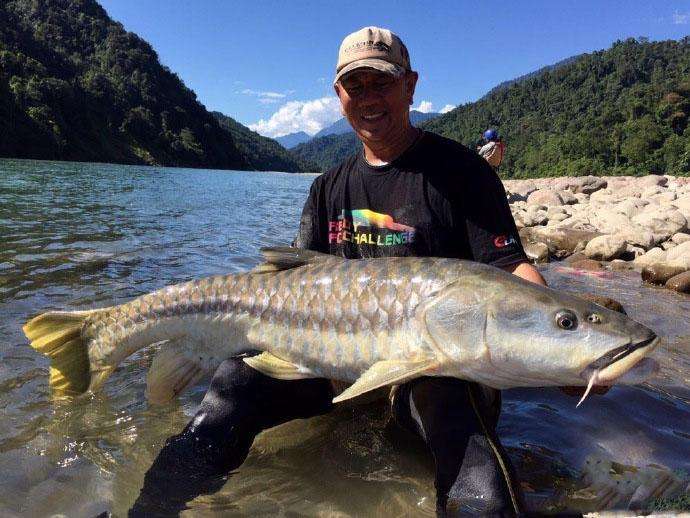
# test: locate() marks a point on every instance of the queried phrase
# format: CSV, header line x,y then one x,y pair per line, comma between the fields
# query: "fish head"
x,y
537,336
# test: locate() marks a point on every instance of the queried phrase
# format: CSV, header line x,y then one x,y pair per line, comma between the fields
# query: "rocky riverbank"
x,y
621,222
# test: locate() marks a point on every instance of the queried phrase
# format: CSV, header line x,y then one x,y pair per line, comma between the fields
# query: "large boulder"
x,y
682,203
679,256
605,248
680,282
653,256
546,197
580,184
562,241
663,222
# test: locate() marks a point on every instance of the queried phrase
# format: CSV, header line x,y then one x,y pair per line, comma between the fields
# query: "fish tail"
x,y
57,334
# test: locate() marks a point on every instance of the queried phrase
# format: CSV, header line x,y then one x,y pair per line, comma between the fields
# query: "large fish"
x,y
371,322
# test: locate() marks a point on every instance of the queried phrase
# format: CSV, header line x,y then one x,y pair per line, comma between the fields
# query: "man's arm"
x,y
526,271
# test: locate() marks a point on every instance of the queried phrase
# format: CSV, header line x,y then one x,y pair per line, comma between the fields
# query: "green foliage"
x,y
74,85
328,151
620,111
262,152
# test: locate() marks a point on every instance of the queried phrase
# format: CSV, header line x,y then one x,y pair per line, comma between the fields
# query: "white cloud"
x,y
425,107
266,97
447,108
681,19
308,116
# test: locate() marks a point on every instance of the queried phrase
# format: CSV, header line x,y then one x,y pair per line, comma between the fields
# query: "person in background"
x,y
493,149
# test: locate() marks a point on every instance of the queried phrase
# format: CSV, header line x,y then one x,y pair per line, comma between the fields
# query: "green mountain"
x,y
328,151
618,111
260,152
74,85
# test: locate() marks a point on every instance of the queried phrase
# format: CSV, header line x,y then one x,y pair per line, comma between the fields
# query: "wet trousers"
x,y
456,419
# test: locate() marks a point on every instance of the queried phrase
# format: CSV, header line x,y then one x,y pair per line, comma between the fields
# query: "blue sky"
x,y
269,64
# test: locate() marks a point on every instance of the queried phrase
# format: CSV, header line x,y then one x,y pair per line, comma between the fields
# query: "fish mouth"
x,y
616,355
614,364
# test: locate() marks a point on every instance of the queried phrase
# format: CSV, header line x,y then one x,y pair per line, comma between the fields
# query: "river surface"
x,y
78,236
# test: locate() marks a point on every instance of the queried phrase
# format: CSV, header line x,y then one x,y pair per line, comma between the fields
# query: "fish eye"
x,y
594,318
566,320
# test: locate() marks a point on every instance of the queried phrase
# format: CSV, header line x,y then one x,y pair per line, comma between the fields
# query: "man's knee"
x,y
246,398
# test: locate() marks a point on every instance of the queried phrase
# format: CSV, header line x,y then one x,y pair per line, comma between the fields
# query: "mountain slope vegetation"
x,y
619,111
623,110
262,152
74,85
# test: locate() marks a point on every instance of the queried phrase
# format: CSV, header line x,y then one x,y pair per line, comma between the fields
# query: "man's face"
x,y
375,103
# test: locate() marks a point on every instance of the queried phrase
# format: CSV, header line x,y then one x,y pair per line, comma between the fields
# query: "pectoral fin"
x,y
275,367
172,372
388,372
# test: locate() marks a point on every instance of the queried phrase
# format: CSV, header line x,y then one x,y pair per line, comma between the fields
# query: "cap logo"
x,y
367,46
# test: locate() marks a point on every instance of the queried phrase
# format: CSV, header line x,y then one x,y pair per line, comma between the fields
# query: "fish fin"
x,y
57,334
387,372
270,365
171,373
285,258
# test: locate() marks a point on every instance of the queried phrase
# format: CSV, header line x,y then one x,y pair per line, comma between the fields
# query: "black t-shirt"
x,y
437,199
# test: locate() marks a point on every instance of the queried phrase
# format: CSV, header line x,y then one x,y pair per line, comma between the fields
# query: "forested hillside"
x,y
619,111
328,151
74,85
262,152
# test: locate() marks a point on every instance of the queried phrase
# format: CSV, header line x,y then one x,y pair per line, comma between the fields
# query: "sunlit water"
x,y
77,236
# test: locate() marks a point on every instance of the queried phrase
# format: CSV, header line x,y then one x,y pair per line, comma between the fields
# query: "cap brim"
x,y
376,64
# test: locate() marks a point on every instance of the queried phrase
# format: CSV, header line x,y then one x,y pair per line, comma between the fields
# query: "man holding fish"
x,y
408,311
409,193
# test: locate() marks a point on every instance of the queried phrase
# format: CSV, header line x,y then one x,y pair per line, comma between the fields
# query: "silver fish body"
x,y
374,322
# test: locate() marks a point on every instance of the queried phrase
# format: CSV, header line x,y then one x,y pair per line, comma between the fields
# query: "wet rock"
x,y
605,248
545,197
587,264
620,265
578,256
606,302
659,273
680,282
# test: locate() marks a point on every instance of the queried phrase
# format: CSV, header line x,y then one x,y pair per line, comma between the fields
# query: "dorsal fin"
x,y
285,257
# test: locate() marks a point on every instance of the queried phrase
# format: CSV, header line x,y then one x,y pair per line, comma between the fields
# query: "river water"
x,y
77,236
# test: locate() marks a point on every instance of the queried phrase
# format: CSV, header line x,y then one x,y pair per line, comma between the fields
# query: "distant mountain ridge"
x,y
293,139
74,85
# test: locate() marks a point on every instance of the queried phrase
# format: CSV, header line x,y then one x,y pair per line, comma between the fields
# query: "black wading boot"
x,y
457,420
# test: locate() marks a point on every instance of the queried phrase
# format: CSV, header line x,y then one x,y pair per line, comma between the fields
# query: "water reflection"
x,y
77,236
